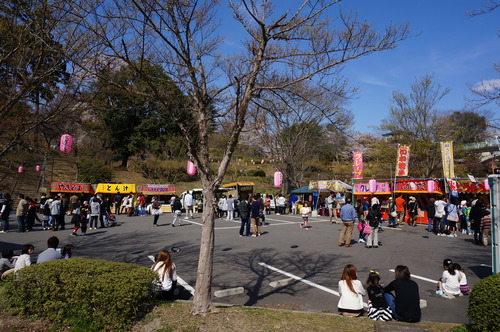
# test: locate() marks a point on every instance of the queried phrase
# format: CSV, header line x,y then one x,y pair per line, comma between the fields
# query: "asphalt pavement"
x,y
287,266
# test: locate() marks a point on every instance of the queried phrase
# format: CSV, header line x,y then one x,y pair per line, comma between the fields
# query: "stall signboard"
x,y
452,185
416,187
470,187
447,156
332,185
383,188
358,165
113,188
403,160
157,189
66,187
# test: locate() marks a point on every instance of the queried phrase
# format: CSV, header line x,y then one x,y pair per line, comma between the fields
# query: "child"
x,y
363,229
304,211
377,305
67,251
351,293
448,284
462,278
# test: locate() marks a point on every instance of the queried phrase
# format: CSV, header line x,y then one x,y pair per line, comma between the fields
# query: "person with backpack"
x,y
155,211
374,217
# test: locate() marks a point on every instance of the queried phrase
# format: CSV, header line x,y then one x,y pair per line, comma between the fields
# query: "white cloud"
x,y
487,85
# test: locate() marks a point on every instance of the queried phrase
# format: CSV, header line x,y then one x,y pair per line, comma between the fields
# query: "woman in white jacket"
x,y
351,293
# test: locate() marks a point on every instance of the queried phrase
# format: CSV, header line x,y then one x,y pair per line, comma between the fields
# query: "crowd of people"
x,y
9,263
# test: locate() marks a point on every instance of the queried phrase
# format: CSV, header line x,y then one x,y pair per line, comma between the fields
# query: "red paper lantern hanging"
x,y
372,186
66,143
191,169
20,169
37,168
431,186
278,179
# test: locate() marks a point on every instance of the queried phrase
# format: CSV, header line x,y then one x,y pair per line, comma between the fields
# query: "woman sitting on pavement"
x,y
405,302
167,271
351,293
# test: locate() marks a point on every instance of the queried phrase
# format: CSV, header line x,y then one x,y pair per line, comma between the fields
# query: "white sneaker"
x,y
186,217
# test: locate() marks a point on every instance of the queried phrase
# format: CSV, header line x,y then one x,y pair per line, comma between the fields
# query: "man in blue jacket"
x,y
348,216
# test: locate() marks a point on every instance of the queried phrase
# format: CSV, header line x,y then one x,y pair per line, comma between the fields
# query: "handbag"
x,y
394,214
451,218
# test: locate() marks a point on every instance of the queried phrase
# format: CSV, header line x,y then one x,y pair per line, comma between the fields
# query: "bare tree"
x,y
412,121
290,126
279,51
487,8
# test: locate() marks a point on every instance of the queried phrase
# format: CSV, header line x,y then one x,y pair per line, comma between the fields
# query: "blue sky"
x,y
456,48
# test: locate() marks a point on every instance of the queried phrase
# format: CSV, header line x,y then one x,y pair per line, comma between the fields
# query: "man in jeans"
x,y
348,216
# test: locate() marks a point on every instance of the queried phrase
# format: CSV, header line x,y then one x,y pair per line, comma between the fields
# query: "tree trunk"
x,y
203,290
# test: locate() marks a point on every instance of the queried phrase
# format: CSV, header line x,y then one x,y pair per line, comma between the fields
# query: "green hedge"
x,y
484,305
91,293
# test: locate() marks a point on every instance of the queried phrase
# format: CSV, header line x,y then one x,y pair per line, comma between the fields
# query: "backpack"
x,y
156,205
46,209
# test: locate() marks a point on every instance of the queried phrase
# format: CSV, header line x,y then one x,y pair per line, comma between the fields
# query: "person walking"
x,y
374,217
348,216
55,210
21,213
156,211
254,215
330,203
400,209
244,208
5,208
177,208
188,204
230,207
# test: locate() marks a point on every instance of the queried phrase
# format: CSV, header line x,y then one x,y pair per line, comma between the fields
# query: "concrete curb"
x,y
281,283
229,292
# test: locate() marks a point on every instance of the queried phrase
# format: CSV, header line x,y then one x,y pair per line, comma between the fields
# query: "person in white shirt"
x,y
330,204
51,252
351,292
188,204
25,258
440,204
167,272
449,283
230,207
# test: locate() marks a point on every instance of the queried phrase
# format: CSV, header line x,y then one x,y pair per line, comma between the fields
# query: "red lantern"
x,y
37,168
66,143
486,185
372,186
278,179
20,169
431,186
191,169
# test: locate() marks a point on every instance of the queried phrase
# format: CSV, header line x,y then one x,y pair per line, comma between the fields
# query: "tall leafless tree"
x,y
279,49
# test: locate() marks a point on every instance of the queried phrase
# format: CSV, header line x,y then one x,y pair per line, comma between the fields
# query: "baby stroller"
x,y
109,220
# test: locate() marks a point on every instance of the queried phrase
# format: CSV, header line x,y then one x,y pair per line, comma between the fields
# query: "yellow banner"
x,y
448,164
113,188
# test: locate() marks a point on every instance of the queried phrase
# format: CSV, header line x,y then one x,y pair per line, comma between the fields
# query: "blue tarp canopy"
x,y
305,190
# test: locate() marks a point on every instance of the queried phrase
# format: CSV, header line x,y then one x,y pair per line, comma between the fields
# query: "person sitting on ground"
x,y
51,252
25,258
168,275
67,251
405,302
378,309
351,293
449,283
7,263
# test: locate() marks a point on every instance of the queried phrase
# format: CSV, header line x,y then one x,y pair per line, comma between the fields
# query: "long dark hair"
x,y
349,274
164,259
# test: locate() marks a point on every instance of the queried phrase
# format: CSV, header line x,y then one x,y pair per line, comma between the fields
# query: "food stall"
x,y
163,193
68,188
419,189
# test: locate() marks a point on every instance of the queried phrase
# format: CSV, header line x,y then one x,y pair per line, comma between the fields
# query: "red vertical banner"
x,y
403,159
358,165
